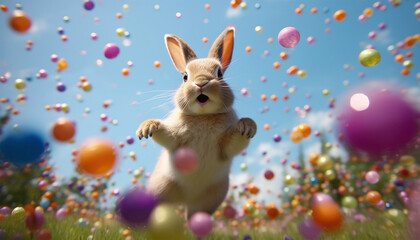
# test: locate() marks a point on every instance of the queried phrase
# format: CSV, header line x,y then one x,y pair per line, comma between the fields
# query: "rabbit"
x,y
204,121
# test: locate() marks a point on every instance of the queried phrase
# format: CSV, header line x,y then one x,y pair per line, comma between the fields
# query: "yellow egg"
x,y
324,163
289,180
20,84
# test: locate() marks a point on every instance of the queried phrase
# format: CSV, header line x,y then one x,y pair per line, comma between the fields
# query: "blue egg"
x,y
21,147
314,180
388,205
45,203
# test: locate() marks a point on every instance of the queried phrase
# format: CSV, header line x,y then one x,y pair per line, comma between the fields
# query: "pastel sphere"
x,y
185,160
349,202
60,214
165,223
201,224
135,207
372,177
320,198
111,50
289,37
309,230
369,57
97,157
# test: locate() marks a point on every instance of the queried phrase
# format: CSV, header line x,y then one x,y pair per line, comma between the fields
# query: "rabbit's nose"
x,y
201,83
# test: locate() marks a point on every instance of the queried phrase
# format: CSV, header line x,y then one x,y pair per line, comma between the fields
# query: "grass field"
x,y
378,227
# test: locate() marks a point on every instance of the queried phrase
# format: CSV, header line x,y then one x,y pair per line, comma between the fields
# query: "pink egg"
x,y
201,224
185,160
372,177
289,37
111,50
311,40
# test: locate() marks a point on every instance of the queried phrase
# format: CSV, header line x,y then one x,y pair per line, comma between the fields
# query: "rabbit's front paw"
x,y
247,127
147,128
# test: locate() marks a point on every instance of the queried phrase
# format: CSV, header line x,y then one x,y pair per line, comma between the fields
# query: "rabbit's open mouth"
x,y
202,99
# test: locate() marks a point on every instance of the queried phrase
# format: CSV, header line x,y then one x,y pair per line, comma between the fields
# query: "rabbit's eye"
x,y
219,74
185,77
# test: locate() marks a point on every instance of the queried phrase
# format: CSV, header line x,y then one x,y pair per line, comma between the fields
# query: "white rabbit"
x,y
204,121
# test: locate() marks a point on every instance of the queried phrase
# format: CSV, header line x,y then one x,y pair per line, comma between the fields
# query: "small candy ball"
x,y
328,216
18,213
135,207
276,138
324,163
44,234
63,129
88,5
289,37
21,147
229,212
309,230
19,21
97,157
369,57
60,214
62,65
269,174
165,223
320,198
185,160
296,136
349,202
289,180
373,197
372,177
407,160
20,84
200,224
111,50
340,15
305,129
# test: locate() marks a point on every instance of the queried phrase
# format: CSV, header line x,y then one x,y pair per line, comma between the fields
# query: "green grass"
x,y
377,228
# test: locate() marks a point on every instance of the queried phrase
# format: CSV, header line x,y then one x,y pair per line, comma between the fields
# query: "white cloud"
x,y
321,120
39,25
413,96
384,37
233,12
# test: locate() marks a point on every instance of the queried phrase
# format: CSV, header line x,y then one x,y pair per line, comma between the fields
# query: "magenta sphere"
x,y
5,211
185,160
311,40
377,120
309,230
229,212
289,37
372,177
320,198
111,50
60,214
200,224
135,207
269,174
35,221
89,5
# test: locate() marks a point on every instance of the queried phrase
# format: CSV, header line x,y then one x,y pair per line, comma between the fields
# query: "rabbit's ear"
x,y
222,48
179,51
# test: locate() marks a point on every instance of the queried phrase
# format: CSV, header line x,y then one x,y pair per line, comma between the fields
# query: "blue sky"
x,y
135,100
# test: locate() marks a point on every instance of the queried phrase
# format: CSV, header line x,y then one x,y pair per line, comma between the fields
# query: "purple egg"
x,y
111,50
88,5
289,37
200,224
276,138
377,120
372,35
135,207
382,26
60,214
309,230
5,211
130,140
61,87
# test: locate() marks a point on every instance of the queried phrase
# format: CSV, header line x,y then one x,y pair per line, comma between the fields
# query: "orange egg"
x,y
125,72
292,70
373,197
284,55
328,216
274,97
95,195
340,15
64,129
97,157
272,211
62,65
205,40
305,129
207,6
253,189
266,127
296,136
264,97
399,58
4,8
298,11
235,3
248,49
405,72
368,12
313,158
157,64
314,10
276,65
19,21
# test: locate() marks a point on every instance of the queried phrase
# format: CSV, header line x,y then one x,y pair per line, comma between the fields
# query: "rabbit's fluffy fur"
x,y
203,121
